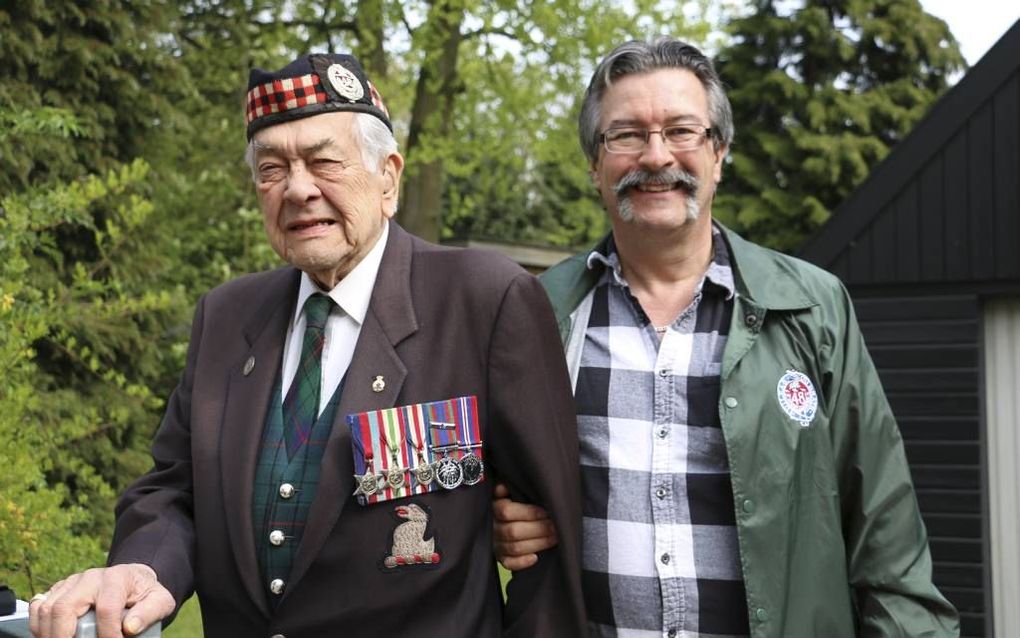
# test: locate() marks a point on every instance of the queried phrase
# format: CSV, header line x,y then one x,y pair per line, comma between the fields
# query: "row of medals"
x,y
448,472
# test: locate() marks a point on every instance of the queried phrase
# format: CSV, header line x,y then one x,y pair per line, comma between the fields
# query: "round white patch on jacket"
x,y
797,397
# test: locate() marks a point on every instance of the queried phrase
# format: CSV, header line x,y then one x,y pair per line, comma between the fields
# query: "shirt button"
x,y
665,559
662,432
276,586
731,402
664,373
276,537
671,633
661,492
751,320
286,490
748,506
761,614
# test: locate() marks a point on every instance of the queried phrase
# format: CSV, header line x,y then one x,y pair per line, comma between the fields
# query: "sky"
x,y
976,24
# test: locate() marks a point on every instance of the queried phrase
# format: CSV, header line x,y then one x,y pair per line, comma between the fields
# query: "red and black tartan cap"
x,y
310,85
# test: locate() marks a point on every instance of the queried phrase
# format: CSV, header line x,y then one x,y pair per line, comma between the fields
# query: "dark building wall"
x,y
945,205
927,348
955,219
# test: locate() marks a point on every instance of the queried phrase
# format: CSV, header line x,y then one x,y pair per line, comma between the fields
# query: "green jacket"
x,y
831,540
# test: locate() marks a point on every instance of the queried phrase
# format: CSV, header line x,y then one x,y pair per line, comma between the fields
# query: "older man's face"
x,y
322,209
651,101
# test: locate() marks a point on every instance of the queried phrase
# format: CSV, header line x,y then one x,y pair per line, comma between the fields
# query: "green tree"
x,y
91,334
821,91
482,92
63,330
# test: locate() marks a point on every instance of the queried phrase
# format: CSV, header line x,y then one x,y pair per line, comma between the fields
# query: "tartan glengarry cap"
x,y
310,85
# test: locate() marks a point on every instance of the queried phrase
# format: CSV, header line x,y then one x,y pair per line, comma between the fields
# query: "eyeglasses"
x,y
682,137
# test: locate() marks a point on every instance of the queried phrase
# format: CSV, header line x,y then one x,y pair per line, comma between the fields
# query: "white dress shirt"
x,y
343,326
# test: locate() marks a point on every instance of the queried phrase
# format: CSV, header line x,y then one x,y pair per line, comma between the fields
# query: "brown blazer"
x,y
441,323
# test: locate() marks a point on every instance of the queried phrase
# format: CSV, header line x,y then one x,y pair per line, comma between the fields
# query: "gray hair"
x,y
637,57
375,139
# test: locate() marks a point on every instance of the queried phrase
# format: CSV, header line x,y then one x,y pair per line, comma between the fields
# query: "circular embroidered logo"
x,y
345,82
797,397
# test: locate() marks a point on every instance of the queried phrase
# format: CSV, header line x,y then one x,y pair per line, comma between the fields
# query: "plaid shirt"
x,y
660,540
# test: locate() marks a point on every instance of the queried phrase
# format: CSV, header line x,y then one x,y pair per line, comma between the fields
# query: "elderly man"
x,y
741,470
319,471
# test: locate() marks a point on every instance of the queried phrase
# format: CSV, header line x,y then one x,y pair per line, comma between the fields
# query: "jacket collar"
x,y
765,276
761,275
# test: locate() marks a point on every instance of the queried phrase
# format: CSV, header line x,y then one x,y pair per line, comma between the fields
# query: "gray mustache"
x,y
686,180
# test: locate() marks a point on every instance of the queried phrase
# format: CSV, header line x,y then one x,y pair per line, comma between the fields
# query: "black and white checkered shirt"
x,y
660,541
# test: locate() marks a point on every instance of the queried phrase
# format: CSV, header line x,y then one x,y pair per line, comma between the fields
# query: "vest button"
x,y
761,614
731,402
276,586
286,490
276,537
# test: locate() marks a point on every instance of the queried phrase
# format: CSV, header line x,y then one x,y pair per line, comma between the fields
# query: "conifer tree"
x,y
821,91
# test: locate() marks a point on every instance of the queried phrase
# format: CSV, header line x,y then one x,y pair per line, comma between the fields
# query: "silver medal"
x,y
395,477
449,473
473,468
368,483
424,473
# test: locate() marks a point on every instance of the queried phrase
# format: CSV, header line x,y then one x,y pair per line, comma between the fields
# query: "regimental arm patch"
x,y
413,543
797,397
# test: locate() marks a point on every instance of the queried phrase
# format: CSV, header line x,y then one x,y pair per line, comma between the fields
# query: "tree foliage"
x,y
77,356
821,91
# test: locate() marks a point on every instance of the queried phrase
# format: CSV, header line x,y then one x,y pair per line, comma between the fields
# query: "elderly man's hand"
x,y
111,590
520,531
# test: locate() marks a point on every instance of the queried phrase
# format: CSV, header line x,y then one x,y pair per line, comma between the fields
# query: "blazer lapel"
x,y
244,416
390,320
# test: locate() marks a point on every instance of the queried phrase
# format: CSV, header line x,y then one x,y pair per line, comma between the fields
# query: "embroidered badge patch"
x,y
797,397
412,544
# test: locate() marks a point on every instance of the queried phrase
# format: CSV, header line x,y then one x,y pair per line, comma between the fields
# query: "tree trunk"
x,y
431,116
370,39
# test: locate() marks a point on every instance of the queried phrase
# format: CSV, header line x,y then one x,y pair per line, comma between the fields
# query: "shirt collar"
x,y
354,291
719,272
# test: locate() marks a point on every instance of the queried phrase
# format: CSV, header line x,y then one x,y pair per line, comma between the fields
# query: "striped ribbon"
x,y
406,429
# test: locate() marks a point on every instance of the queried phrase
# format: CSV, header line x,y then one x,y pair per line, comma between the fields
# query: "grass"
x,y
188,623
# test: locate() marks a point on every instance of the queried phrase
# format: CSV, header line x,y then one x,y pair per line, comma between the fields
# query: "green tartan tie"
x,y
301,405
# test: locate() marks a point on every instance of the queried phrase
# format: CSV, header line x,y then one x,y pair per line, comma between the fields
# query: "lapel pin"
x,y
249,365
378,384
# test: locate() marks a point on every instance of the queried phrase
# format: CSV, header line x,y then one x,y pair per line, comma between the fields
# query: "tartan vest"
x,y
277,509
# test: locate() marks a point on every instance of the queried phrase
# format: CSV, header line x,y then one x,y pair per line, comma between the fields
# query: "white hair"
x,y
374,138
